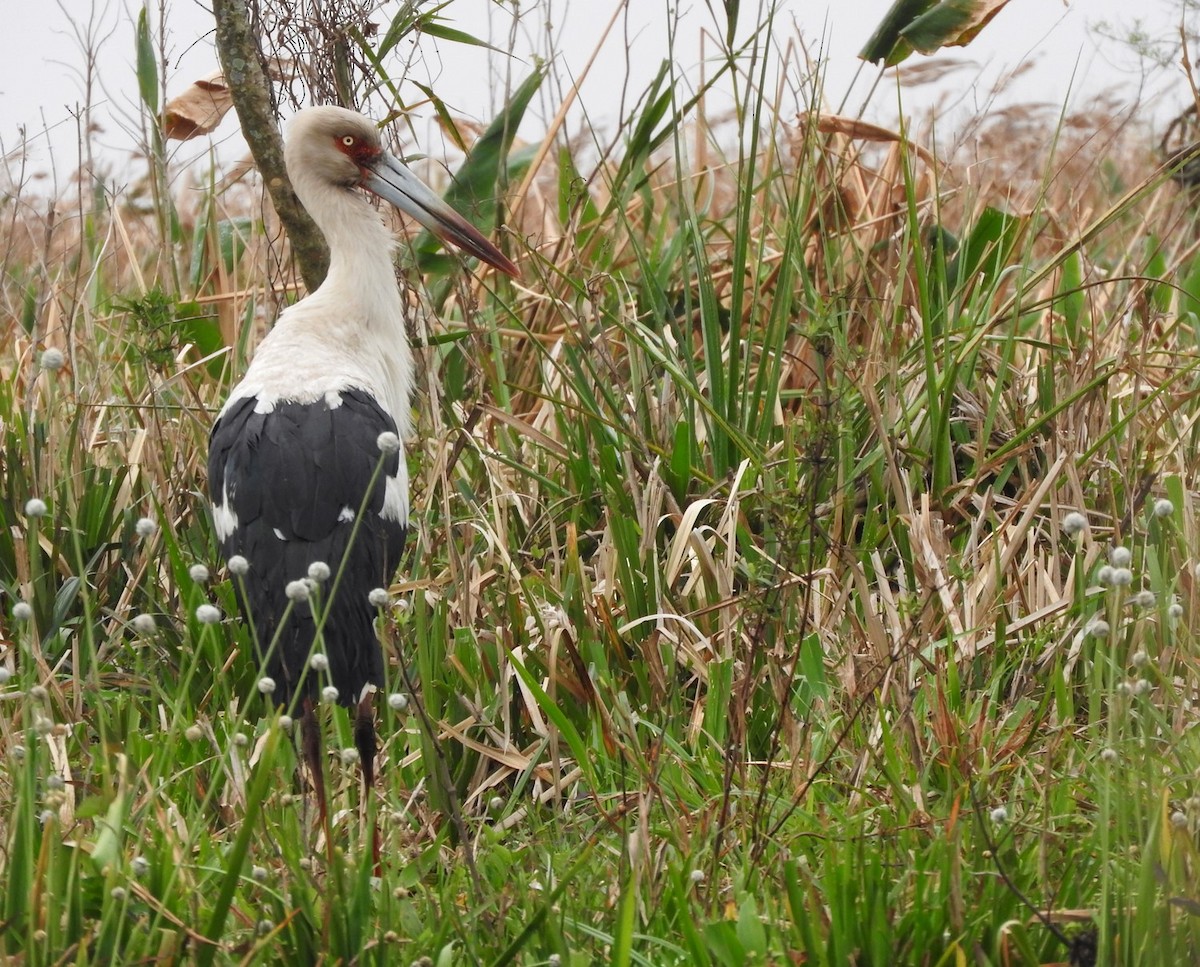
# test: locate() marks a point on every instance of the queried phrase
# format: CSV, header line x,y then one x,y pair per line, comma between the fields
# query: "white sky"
x,y
42,62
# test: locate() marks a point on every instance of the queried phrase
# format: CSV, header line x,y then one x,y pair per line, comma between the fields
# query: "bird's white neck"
x,y
360,251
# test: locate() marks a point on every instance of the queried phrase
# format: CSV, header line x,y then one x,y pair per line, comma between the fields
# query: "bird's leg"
x,y
364,741
310,743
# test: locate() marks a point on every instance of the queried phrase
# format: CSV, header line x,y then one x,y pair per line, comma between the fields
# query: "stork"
x,y
305,470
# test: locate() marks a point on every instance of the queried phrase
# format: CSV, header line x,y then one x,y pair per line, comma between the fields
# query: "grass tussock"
x,y
804,568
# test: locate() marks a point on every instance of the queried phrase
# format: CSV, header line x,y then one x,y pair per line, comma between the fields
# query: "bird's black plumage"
x,y
293,483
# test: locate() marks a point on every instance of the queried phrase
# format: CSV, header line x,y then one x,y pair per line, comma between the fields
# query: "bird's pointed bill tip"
x,y
392,181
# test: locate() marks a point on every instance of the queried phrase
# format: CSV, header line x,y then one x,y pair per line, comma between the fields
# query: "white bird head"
x,y
330,148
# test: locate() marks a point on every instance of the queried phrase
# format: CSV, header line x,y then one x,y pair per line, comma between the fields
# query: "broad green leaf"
x,y
473,190
147,64
927,26
442,32
986,249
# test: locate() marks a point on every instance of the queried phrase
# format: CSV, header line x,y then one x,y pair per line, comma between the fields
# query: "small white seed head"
x,y
397,701
387,442
5,675
53,360
999,815
266,685
1140,659
1074,523
1122,577
241,740
35,507
1163,508
146,527
1098,628
319,571
318,662
193,733
198,573
329,694
1175,611
144,624
140,866
1108,756
697,876
118,893
1120,556
349,756
22,611
1144,599
285,723
1105,574
296,591
378,597
258,874
1143,686
1179,820
208,614
238,565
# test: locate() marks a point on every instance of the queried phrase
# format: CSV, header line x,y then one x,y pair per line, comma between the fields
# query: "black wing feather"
x,y
288,476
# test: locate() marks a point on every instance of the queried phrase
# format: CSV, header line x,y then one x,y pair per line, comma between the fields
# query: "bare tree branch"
x,y
251,92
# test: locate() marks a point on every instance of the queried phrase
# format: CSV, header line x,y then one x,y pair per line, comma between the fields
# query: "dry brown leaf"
x,y
199,109
863,131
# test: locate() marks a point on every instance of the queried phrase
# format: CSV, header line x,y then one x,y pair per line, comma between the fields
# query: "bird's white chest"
x,y
316,351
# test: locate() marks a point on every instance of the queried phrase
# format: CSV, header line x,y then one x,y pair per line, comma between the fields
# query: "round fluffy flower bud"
x,y
208,614
1074,523
53,360
387,442
378,597
1122,577
35,507
238,565
397,701
1120,556
146,527
296,591
1163,508
318,662
22,611
999,815
144,624
319,571
266,685
198,573
329,694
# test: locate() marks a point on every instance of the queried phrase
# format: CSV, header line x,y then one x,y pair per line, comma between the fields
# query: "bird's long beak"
x,y
393,182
